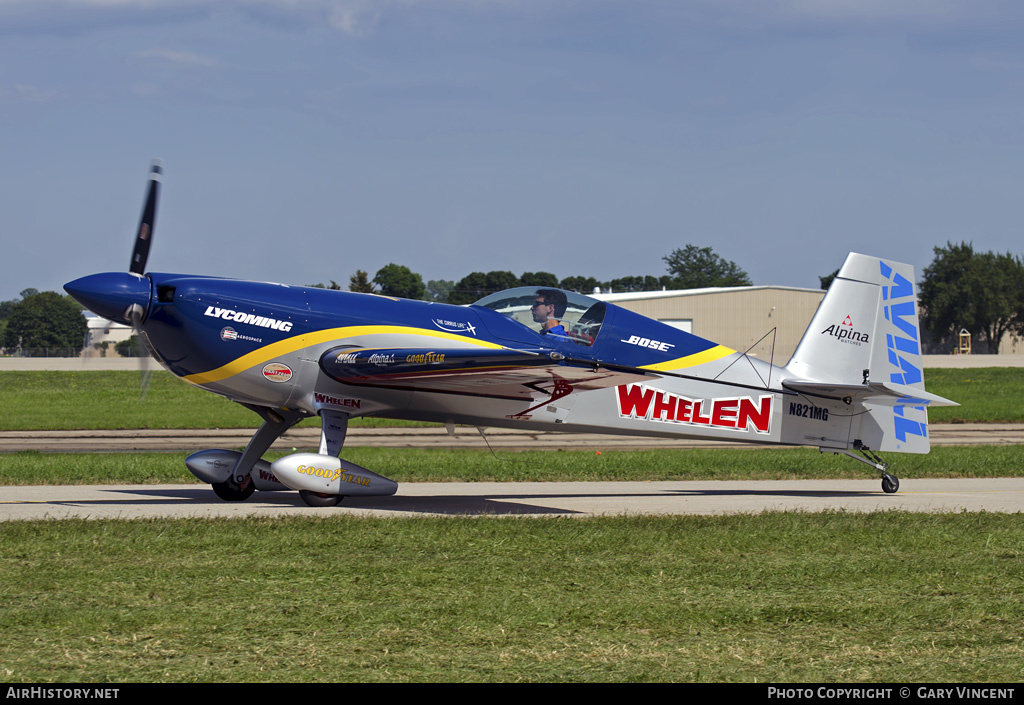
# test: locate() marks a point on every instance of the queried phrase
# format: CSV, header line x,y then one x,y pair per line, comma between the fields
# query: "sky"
x,y
302,140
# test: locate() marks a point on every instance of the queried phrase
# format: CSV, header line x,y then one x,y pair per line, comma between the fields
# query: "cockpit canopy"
x,y
581,319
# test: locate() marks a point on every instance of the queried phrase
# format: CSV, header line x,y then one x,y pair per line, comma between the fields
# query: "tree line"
x,y
690,267
962,289
979,292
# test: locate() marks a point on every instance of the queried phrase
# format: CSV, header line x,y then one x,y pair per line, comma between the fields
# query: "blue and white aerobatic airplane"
x,y
854,386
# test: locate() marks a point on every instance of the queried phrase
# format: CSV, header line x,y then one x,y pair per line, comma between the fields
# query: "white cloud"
x,y
21,93
183,58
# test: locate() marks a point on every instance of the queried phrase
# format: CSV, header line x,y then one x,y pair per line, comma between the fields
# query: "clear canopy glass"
x,y
581,320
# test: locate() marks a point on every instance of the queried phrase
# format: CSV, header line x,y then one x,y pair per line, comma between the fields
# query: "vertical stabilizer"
x,y
865,339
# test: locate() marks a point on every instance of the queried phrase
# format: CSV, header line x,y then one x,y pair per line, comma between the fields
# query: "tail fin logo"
x,y
903,345
846,333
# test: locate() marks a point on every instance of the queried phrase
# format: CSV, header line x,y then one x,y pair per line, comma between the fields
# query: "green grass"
x,y
787,597
878,598
93,400
990,394
445,465
53,401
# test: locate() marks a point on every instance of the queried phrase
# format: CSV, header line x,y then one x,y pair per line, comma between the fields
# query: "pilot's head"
x,y
549,304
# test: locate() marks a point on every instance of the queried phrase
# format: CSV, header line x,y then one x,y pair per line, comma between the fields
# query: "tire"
x,y
316,499
231,492
890,484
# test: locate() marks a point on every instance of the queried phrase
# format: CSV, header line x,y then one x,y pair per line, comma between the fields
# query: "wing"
x,y
501,373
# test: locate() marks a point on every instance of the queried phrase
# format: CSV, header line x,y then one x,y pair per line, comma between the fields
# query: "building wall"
x,y
742,318
104,331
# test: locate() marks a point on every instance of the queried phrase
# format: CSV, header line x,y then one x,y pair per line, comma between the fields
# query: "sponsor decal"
x,y
327,400
276,372
229,333
638,401
347,358
808,411
251,319
902,342
846,333
454,326
426,358
265,475
381,360
648,343
332,475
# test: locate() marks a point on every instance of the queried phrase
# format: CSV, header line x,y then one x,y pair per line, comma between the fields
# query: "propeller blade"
x,y
135,313
144,236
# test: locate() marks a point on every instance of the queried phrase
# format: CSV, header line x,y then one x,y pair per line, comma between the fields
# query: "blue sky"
x,y
304,140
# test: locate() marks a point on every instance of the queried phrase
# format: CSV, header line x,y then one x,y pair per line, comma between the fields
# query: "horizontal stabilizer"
x,y
886,393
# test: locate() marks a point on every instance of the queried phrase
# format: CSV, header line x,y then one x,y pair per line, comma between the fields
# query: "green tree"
x,y
6,308
360,281
398,280
131,347
46,321
695,267
580,284
826,281
639,283
546,279
439,289
980,292
476,285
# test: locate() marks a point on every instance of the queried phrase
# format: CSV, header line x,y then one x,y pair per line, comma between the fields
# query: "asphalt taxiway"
x,y
536,499
576,499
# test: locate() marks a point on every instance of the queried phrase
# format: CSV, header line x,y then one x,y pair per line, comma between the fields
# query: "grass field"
x,y
89,400
785,598
879,598
462,465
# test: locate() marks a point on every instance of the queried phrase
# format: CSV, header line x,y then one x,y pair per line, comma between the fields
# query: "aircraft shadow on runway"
x,y
493,504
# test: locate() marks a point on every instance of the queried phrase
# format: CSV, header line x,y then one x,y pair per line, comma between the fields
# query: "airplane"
x,y
854,385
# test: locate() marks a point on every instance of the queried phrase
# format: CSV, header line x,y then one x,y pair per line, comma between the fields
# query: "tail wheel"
x,y
318,499
231,491
889,483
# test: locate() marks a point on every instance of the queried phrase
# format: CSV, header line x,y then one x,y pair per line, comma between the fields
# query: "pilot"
x,y
548,309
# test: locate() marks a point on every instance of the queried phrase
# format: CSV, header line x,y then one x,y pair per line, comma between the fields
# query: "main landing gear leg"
x,y
239,486
890,483
333,428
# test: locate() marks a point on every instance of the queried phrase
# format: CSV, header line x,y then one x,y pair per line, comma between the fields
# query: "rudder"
x,y
864,345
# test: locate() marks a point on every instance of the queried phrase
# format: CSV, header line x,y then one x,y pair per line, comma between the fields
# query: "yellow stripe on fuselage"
x,y
709,355
290,345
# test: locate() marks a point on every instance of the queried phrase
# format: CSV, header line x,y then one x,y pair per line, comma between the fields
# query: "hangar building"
x,y
745,318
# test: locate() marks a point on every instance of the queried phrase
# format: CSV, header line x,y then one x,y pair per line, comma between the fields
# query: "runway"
x,y
575,499
530,499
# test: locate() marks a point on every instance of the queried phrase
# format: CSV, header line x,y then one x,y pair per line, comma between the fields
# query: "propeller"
x,y
144,235
140,254
126,297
